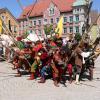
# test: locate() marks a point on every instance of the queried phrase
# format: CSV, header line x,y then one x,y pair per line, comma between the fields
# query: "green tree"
x,y
78,37
25,34
48,30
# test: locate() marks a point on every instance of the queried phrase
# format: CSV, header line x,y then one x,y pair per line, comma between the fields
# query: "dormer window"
x,y
51,11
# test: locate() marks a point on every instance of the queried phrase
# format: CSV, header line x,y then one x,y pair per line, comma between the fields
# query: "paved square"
x,y
12,88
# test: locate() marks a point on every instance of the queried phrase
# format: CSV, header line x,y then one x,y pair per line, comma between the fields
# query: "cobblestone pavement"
x,y
12,88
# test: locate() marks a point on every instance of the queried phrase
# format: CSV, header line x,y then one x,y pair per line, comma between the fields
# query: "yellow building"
x,y
10,21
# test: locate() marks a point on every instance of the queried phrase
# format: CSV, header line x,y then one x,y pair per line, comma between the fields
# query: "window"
x,y
71,29
3,17
12,28
65,19
45,21
77,18
9,25
24,24
34,23
51,11
31,31
27,24
51,20
77,29
21,24
39,32
57,20
39,22
15,29
30,23
71,19
65,30
77,9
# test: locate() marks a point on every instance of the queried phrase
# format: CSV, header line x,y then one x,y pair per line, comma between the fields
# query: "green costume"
x,y
35,65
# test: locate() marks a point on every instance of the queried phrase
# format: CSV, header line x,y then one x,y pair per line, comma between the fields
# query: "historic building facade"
x,y
10,21
47,12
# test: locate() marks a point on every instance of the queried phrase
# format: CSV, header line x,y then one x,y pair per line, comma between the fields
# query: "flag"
x,y
94,33
59,28
0,26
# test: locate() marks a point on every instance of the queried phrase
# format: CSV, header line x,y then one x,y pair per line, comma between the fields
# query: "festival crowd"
x,y
56,59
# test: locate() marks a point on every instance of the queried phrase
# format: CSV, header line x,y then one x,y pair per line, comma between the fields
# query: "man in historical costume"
x,y
55,74
35,66
90,61
45,71
78,63
88,64
37,46
45,65
25,60
58,67
16,59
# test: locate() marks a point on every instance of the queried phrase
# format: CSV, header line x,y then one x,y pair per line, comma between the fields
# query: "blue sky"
x,y
13,6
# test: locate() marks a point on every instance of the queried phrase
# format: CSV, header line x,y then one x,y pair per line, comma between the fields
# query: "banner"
x,y
59,29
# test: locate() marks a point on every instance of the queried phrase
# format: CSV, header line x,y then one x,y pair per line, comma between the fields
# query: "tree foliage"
x,y
48,29
78,36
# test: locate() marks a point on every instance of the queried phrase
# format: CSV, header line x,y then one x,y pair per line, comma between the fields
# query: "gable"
x,y
39,8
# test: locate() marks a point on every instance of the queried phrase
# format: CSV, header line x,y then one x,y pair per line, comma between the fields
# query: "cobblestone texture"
x,y
12,88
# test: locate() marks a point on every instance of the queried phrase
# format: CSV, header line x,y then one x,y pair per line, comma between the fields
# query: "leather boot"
x,y
91,74
56,82
18,75
42,80
31,77
70,78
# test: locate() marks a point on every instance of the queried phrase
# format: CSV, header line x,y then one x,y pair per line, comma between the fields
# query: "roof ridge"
x,y
42,5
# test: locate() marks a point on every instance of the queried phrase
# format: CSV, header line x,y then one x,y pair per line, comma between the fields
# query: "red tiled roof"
x,y
38,8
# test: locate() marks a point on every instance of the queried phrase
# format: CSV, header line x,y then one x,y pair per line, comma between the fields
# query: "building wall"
x,y
79,11
70,26
10,21
93,16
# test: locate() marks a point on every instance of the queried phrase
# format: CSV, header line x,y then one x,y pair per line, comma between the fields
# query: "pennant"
x,y
94,33
59,29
